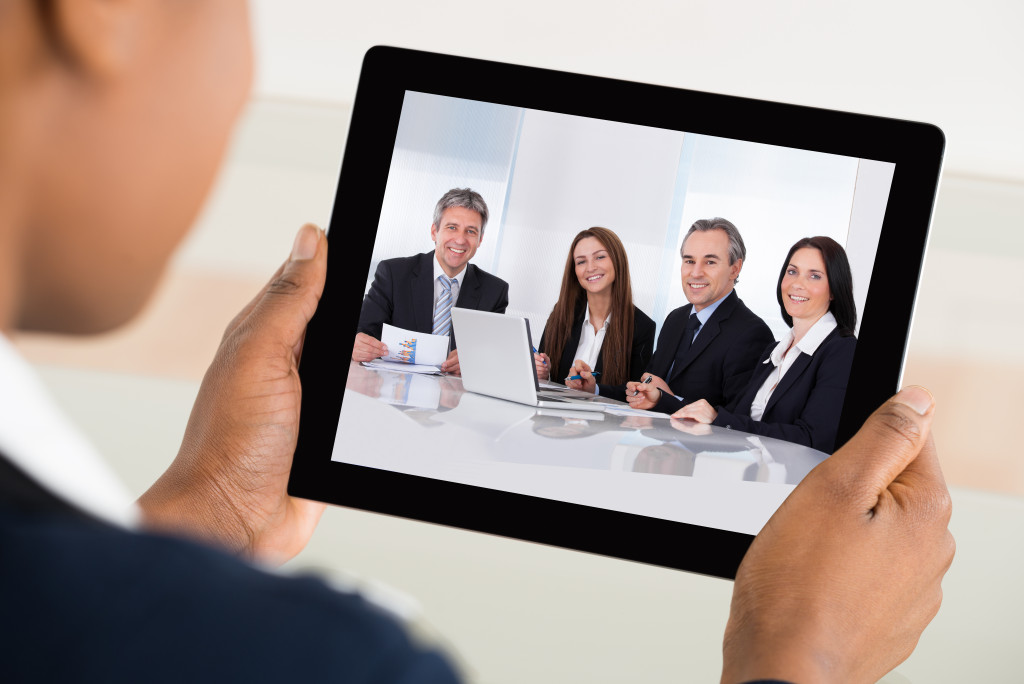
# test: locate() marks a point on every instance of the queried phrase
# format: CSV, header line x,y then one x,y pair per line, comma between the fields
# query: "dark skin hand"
x,y
842,580
228,484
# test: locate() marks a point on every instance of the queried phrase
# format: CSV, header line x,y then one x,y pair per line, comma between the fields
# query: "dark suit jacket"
x,y
402,294
806,405
640,354
84,601
717,366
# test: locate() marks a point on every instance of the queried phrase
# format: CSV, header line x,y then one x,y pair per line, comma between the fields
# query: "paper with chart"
x,y
420,349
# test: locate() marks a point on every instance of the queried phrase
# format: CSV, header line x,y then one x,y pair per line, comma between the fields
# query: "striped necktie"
x,y
443,308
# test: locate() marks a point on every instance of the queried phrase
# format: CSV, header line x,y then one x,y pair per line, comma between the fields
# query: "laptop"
x,y
496,359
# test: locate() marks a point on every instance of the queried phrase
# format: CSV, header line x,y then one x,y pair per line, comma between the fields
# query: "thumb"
x,y
291,297
889,441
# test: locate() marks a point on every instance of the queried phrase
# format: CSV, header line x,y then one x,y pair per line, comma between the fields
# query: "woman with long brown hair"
x,y
594,319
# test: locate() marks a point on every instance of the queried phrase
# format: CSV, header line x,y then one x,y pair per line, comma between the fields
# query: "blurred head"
x,y
816,278
458,228
122,111
553,427
664,459
713,254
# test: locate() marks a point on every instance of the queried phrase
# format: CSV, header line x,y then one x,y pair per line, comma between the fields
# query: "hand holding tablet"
x,y
883,546
227,485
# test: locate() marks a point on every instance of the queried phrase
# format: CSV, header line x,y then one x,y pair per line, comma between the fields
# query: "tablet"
x,y
551,154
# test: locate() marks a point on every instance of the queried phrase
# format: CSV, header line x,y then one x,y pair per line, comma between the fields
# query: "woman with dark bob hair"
x,y
594,325
796,393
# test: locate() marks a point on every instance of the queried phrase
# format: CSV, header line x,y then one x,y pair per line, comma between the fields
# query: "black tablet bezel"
x,y
915,148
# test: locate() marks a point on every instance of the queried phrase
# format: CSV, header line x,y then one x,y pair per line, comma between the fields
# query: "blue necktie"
x,y
443,308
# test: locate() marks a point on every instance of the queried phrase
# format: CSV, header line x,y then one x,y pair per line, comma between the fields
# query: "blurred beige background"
x,y
520,612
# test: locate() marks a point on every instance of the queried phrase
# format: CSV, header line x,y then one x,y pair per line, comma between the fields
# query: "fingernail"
x,y
306,242
916,397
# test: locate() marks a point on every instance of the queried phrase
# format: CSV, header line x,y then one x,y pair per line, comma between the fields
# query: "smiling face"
x,y
804,289
594,268
456,239
706,273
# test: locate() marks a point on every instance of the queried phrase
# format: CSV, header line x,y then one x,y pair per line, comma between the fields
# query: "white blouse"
x,y
590,341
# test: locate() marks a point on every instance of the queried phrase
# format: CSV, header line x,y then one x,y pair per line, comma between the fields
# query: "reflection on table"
x,y
430,426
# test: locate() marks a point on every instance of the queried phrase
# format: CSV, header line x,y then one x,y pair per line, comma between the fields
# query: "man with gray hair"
x,y
708,348
418,292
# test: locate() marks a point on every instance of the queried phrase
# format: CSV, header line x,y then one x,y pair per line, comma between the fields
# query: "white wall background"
x,y
954,65
546,176
443,143
573,173
775,196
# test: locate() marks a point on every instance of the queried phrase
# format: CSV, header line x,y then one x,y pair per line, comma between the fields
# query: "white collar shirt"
x,y
783,360
591,341
704,314
39,440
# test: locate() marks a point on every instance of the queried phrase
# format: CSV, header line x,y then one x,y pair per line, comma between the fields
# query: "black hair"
x,y
840,282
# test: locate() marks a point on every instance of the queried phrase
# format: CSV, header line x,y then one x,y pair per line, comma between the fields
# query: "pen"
x,y
646,382
535,352
580,377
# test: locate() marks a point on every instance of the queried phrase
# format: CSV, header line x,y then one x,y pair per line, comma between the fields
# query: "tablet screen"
x,y
543,175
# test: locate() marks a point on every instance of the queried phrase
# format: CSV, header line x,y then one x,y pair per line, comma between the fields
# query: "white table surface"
x,y
681,471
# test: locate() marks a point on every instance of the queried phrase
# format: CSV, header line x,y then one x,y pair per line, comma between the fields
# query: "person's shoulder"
x,y
838,344
735,307
766,352
406,262
641,321
682,313
214,610
486,279
740,312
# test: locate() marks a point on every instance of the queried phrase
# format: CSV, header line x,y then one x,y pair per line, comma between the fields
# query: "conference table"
x,y
611,457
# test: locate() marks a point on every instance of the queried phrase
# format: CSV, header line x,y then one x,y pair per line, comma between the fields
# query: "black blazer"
x,y
402,294
717,366
639,356
806,405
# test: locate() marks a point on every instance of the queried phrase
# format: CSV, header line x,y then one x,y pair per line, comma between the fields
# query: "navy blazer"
x,y
639,355
402,294
718,365
84,601
806,406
